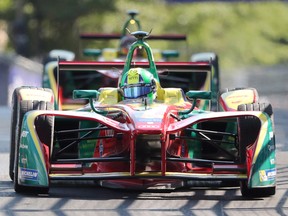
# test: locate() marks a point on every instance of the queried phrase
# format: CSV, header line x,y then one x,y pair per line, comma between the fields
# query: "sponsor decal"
x,y
133,77
149,126
271,147
271,135
267,175
27,94
234,98
150,120
272,161
29,174
24,133
24,160
23,146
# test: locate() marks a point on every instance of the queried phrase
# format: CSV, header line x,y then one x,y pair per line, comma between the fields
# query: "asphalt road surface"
x,y
88,199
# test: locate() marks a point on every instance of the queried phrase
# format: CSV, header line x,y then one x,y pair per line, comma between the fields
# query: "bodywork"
x,y
129,144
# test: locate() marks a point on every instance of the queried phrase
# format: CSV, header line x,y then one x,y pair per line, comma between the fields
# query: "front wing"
x,y
36,168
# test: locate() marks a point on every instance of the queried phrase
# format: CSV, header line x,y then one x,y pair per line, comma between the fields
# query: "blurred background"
x,y
242,33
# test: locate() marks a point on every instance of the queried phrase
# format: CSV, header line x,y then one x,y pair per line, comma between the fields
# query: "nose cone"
x,y
150,119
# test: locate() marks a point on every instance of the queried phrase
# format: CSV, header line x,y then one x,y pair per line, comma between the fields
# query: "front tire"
x,y
256,192
13,134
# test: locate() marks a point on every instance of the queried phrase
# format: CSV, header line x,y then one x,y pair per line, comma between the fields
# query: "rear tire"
x,y
249,126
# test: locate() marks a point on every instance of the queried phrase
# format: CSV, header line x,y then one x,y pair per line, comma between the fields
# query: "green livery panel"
x,y
31,165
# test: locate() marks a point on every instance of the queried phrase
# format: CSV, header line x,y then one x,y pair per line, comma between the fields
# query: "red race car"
x,y
139,134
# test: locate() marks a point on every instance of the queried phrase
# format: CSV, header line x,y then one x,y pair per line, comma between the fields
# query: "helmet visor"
x,y
136,91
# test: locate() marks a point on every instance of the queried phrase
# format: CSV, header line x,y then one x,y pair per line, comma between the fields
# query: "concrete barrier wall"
x,y
16,71
5,63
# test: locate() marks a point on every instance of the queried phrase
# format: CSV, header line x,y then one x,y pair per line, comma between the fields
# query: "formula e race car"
x,y
140,135
90,80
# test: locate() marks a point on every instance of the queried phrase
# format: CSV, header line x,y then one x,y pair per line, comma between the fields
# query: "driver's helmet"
x,y
137,83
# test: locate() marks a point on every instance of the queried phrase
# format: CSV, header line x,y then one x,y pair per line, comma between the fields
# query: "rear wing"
x,y
161,66
96,36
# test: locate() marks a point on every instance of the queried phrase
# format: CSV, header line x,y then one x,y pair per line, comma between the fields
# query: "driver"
x,y
138,83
